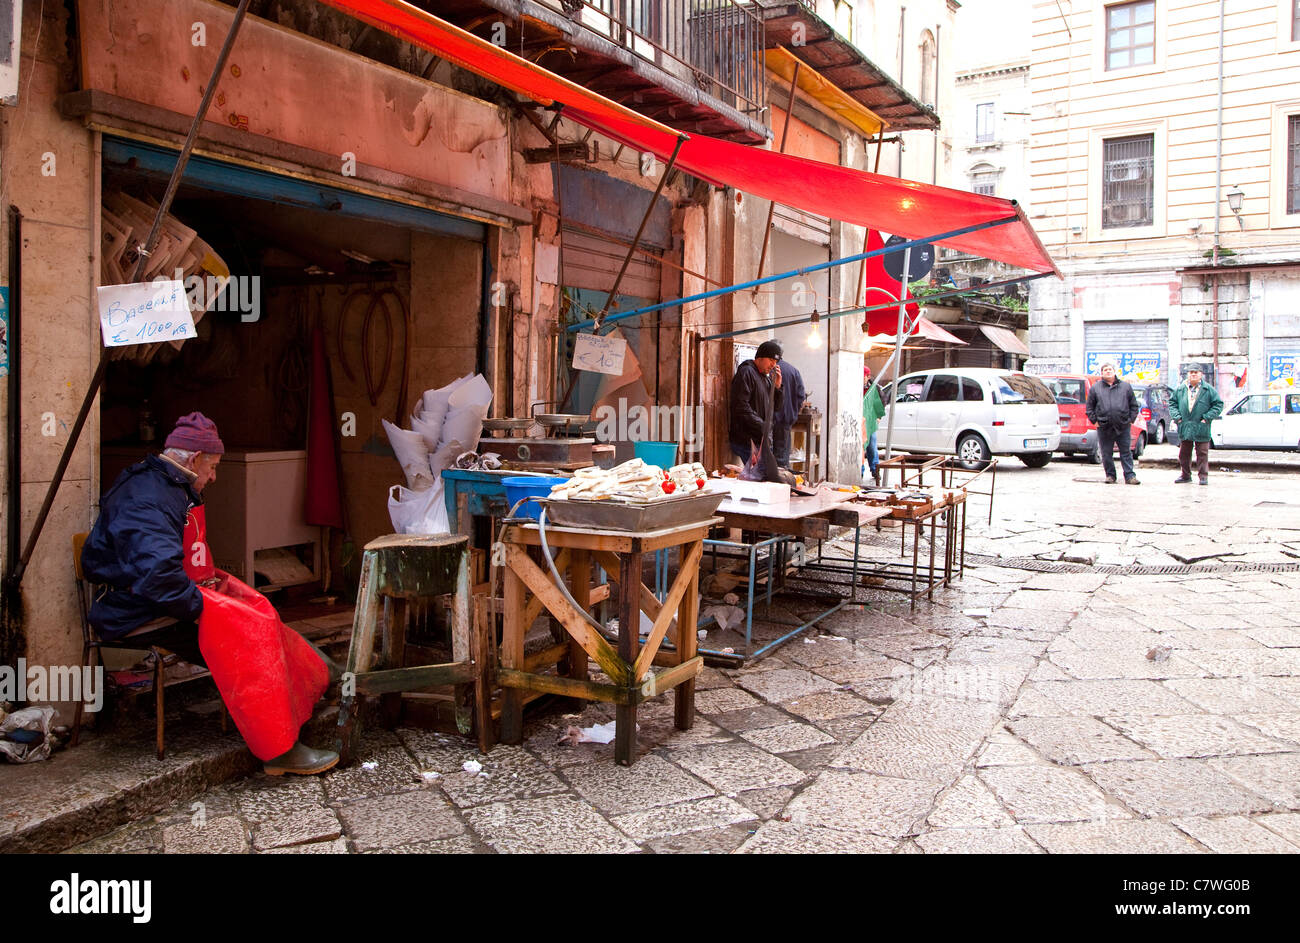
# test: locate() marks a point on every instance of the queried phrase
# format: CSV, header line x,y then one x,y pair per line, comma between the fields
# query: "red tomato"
x,y
669,487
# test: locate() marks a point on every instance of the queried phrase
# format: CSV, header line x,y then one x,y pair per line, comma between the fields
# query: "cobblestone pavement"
x,y
1021,711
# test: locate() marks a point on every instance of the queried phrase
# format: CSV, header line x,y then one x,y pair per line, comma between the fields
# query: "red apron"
x,y
268,675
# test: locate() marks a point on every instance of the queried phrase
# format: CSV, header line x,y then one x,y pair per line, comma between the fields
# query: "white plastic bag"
x,y
435,403
31,720
417,512
467,408
412,455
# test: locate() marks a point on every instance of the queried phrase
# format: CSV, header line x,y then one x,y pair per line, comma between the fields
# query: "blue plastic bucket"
x,y
663,454
529,486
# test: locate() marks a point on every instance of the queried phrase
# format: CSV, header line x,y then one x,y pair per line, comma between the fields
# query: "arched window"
x,y
984,179
927,68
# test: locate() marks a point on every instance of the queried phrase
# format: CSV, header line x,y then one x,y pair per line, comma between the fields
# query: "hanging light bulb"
x,y
815,335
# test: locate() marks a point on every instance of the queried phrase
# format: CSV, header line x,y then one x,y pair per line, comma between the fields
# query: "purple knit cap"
x,y
196,433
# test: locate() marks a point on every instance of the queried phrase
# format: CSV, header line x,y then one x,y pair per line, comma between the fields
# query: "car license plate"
x,y
1035,443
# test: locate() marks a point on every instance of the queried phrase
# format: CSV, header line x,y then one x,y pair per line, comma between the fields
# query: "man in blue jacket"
x,y
787,413
136,552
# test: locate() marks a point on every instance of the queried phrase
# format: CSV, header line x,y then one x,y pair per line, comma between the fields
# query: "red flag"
x,y
885,320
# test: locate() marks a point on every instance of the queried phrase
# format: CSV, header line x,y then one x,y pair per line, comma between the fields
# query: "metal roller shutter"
x,y
1107,339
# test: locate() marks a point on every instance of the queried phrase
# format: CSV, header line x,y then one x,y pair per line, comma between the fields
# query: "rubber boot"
x,y
301,759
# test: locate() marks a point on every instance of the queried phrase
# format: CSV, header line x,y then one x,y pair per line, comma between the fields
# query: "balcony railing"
x,y
715,45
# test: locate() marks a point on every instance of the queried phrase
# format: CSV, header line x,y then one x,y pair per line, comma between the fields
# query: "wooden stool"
x,y
620,554
401,576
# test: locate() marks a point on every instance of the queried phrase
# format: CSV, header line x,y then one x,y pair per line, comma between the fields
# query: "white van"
x,y
973,413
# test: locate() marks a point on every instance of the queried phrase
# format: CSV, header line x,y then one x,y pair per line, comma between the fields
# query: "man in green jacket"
x,y
872,412
1196,404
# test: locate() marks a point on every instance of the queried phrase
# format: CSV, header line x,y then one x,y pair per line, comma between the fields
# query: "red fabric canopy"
x,y
901,207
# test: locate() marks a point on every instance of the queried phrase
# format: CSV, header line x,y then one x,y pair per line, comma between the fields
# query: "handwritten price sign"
x,y
599,354
144,313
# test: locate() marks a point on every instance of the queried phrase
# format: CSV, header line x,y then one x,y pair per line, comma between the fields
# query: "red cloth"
x,y
323,502
910,209
268,675
884,320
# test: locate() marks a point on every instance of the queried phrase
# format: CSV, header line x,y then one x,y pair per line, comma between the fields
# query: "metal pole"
x,y
898,350
806,270
97,380
930,299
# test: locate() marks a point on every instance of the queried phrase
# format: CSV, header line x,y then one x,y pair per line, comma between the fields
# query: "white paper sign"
x,y
599,354
144,313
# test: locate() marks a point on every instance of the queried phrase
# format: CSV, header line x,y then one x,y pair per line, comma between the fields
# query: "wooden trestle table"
x,y
529,589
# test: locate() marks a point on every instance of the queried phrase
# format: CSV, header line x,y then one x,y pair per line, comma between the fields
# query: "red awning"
x,y
924,328
901,207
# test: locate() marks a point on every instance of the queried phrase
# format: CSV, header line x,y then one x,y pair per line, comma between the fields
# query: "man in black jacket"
x,y
755,392
1112,406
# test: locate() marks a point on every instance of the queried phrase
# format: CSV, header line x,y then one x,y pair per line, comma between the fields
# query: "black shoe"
x,y
303,760
1132,481
1183,480
1110,481
1204,481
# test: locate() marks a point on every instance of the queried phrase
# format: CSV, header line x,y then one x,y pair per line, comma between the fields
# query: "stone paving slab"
x,y
1045,793
1113,838
864,802
552,825
978,841
1176,787
1073,741
1236,835
650,782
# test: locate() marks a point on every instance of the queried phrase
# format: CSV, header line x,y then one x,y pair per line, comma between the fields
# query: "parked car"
x,y
973,413
1259,421
1154,398
1077,433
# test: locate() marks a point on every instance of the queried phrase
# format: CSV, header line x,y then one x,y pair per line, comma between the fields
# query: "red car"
x,y
1077,433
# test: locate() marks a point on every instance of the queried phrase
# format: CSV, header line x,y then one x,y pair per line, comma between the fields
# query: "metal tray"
x,y
621,516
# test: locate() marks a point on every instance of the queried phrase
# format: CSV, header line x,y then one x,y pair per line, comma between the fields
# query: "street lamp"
x,y
1235,198
814,335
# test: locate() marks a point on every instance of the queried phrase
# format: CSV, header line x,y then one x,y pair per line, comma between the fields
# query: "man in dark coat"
x,y
755,395
136,552
1194,406
136,548
1113,406
787,414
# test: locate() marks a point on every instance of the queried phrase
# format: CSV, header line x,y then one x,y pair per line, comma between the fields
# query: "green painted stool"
x,y
402,578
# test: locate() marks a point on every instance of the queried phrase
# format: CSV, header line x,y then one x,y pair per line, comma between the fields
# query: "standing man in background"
x,y
1112,407
873,410
756,395
787,411
1195,405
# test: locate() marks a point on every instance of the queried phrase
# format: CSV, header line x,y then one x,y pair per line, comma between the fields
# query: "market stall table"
x,y
805,518
620,554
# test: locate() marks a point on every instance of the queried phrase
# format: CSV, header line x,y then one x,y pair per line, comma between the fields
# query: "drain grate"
x,y
1049,566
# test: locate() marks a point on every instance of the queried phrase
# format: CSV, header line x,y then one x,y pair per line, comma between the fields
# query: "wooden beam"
x,y
570,687
412,679
671,677
546,657
540,584
689,568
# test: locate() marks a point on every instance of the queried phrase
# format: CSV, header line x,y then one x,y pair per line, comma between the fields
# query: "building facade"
x,y
1165,153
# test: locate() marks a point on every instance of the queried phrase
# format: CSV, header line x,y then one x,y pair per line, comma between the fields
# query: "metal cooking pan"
x,y
507,425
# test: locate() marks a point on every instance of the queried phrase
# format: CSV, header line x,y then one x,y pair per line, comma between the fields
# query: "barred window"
x,y
1128,181
1130,34
1293,164
985,182
984,121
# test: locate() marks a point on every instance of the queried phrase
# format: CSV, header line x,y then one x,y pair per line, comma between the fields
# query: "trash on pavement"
x,y
599,733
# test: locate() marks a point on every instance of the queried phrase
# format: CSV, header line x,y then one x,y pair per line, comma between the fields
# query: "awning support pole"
x,y
898,348
806,270
640,230
771,207
627,259
14,580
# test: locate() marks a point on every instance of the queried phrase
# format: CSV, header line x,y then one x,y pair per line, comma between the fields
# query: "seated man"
x,y
148,549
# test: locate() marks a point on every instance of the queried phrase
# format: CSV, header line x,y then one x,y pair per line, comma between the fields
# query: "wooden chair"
x,y
92,643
